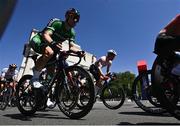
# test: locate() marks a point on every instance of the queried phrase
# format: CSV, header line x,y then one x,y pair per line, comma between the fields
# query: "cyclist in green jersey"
x,y
49,41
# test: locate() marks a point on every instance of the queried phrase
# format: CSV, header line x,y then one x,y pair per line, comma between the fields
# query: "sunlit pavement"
x,y
129,114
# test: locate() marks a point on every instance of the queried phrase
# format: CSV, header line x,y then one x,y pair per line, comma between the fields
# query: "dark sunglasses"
x,y
75,18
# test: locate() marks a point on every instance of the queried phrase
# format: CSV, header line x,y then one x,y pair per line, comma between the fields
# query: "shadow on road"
x,y
18,116
145,114
147,123
38,115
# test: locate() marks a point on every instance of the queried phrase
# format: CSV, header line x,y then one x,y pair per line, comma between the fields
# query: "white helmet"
x,y
111,51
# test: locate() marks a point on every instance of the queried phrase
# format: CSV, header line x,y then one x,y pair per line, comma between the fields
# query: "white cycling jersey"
x,y
7,74
102,62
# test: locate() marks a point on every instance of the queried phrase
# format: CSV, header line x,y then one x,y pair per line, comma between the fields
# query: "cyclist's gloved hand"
x,y
105,77
108,74
81,53
54,46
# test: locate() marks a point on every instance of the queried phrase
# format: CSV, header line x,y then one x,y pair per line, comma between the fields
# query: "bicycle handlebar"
x,y
110,76
78,54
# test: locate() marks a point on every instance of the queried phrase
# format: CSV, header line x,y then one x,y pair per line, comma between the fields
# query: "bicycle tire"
x,y
112,98
151,107
74,112
171,107
4,101
22,100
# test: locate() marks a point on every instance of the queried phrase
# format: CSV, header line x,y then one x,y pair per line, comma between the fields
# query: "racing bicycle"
x,y
111,94
66,94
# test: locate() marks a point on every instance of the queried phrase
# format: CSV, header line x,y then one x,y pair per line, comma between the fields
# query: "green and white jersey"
x,y
60,33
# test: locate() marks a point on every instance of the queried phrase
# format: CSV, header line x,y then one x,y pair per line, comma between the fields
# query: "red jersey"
x,y
173,28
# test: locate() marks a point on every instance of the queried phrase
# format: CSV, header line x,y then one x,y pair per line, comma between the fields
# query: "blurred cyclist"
x,y
168,41
10,74
96,68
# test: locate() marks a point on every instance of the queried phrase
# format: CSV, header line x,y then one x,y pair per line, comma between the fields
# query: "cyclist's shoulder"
x,y
5,69
55,21
103,57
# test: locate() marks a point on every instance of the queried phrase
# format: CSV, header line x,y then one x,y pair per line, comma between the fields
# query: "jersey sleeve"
x,y
3,72
73,34
99,61
53,25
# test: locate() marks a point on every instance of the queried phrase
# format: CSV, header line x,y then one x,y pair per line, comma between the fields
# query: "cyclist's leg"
x,y
98,85
94,71
39,46
46,56
1,86
50,72
11,90
13,85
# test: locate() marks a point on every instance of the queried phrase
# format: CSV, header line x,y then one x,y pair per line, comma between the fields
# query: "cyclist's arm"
x,y
15,77
3,74
108,68
3,77
47,36
73,47
98,63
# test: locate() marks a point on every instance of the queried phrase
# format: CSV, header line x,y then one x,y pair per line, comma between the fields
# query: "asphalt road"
x,y
128,114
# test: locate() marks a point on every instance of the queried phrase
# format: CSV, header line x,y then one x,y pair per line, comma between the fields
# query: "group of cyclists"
x,y
8,75
49,41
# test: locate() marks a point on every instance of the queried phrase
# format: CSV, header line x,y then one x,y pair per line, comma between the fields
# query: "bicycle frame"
x,y
60,66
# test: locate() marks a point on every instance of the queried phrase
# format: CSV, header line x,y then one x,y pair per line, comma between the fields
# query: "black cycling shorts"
x,y
94,71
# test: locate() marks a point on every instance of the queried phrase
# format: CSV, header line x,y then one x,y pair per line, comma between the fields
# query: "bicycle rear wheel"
x,y
25,96
143,94
113,96
68,102
4,99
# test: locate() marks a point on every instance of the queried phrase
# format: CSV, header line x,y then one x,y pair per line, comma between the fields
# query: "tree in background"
x,y
125,79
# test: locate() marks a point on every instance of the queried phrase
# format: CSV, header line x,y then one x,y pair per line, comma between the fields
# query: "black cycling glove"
x,y
80,53
54,46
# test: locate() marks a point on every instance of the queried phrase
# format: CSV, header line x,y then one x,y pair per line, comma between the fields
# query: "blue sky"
x,y
127,26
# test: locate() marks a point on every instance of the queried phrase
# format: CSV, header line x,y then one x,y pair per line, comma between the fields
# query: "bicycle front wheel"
x,y
25,96
113,96
4,99
67,101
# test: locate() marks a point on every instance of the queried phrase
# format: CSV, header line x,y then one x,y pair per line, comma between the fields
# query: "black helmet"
x,y
74,12
12,66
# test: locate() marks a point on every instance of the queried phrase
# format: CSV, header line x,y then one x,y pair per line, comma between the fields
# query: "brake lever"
x,y
84,58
